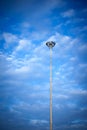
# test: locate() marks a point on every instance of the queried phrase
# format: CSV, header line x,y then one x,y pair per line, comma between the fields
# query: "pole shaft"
x,y
50,88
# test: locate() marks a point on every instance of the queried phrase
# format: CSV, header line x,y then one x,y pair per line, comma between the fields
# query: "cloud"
x,y
73,59
72,126
23,49
38,122
83,47
68,13
25,25
61,96
24,67
39,36
36,56
78,92
9,37
27,78
4,64
23,44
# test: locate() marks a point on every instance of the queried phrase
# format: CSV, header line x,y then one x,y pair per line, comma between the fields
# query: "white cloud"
x,y
38,122
78,92
71,105
83,65
72,126
9,37
59,106
36,56
35,63
24,48
26,104
73,59
68,13
23,70
23,44
61,96
40,55
62,41
83,48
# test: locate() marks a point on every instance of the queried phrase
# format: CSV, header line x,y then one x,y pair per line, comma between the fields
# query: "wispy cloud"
x,y
68,13
23,44
25,25
25,74
9,37
38,122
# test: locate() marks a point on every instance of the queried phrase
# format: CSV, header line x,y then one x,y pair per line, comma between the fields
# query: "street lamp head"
x,y
50,44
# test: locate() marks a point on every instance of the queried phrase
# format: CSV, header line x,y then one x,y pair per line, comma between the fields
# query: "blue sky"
x,y
25,27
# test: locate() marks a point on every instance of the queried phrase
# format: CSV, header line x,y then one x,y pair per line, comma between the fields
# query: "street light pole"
x,y
50,88
50,44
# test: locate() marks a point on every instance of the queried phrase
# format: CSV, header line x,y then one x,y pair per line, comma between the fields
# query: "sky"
x,y
25,27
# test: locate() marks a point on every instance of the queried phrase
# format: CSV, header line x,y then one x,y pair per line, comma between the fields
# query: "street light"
x,y
50,44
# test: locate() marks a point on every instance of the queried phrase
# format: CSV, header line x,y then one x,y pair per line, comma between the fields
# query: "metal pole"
x,y
50,88
50,44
